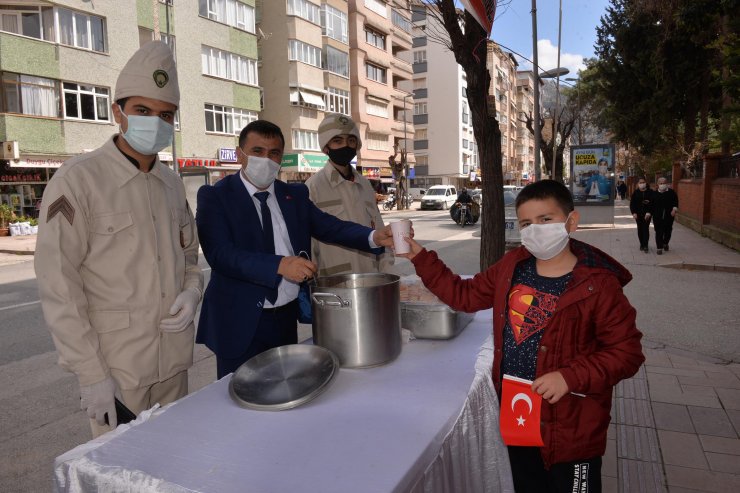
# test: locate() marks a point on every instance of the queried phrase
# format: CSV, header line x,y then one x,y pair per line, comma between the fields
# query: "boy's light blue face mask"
x,y
147,134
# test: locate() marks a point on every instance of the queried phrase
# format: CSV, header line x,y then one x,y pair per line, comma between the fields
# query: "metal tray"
x,y
283,377
433,320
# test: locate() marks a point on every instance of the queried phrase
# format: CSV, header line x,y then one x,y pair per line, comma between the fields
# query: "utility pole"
x,y
535,73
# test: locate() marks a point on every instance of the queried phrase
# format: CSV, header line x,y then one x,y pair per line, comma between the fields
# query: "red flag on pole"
x,y
483,11
520,413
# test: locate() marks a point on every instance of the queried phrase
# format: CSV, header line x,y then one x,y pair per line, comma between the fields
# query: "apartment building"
x,y
381,77
446,151
503,69
525,140
59,61
304,69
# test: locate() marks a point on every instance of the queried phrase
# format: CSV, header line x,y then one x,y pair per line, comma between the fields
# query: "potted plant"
x,y
34,225
6,215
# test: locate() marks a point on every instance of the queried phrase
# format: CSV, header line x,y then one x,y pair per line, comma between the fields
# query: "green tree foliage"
x,y
657,82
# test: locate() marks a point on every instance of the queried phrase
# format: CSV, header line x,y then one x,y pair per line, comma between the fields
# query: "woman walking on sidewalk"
x,y
641,207
664,209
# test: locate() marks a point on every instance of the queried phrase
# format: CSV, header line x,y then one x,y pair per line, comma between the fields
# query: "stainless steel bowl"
x,y
283,377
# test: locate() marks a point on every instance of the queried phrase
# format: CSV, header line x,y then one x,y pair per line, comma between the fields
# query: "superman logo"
x,y
529,311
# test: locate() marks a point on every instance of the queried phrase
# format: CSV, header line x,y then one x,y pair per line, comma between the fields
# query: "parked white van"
x,y
417,193
439,197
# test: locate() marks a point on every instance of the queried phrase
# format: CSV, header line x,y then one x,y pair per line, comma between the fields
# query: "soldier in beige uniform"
x,y
341,191
117,254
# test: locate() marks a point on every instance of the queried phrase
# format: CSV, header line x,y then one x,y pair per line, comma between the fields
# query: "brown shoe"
x,y
665,247
660,251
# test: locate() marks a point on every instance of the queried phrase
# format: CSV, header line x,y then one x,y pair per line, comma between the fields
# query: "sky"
x,y
512,29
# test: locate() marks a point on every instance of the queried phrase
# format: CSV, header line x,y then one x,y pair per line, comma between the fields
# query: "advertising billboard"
x,y
592,169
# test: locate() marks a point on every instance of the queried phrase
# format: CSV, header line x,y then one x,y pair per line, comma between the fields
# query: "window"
x,y
81,30
337,100
337,61
32,21
420,134
378,7
420,108
373,72
231,66
400,21
29,95
422,160
420,83
231,12
227,120
465,143
86,102
465,114
334,23
306,139
304,9
465,92
377,108
304,52
377,142
420,56
375,38
147,35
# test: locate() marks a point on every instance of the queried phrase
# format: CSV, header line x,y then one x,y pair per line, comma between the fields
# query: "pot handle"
x,y
340,301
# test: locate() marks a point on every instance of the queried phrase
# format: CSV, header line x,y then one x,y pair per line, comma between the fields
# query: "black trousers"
x,y
643,230
663,230
530,475
277,327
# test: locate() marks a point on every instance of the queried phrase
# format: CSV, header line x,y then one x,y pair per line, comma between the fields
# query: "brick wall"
x,y
690,198
725,204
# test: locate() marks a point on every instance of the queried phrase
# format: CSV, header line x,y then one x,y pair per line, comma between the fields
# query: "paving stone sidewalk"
x,y
676,424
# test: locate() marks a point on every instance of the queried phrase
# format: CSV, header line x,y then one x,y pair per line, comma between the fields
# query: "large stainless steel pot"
x,y
358,318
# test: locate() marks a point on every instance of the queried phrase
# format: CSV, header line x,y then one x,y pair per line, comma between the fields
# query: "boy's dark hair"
x,y
547,189
122,102
264,128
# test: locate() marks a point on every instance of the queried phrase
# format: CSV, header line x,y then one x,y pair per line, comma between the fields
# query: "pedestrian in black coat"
x,y
641,207
665,206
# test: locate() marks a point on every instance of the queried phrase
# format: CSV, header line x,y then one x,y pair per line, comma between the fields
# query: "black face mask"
x,y
342,156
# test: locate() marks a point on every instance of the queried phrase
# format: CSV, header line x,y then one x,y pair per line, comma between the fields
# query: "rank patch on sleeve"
x,y
61,205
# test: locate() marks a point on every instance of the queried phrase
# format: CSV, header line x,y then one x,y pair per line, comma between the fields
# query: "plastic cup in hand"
x,y
401,229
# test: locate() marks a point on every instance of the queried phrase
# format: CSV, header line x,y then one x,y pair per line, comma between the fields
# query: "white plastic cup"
x,y
401,229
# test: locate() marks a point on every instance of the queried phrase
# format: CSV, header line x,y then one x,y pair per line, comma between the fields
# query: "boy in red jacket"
x,y
560,318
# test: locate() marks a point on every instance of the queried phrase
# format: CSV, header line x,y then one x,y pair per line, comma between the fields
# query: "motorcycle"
x,y
465,213
389,203
462,218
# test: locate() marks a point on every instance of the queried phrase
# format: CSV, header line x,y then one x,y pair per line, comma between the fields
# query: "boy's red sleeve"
x,y
467,295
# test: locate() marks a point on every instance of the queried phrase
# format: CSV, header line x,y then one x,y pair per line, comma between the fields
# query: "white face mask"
x,y
545,241
641,186
261,171
663,187
147,134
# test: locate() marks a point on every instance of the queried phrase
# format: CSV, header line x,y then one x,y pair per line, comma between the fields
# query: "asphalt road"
x,y
39,403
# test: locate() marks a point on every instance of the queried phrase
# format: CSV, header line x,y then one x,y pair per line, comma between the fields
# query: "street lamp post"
x,y
557,100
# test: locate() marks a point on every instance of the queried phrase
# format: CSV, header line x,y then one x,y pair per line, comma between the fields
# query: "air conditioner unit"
x,y
10,150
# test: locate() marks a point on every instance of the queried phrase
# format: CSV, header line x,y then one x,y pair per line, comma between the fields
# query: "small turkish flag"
x,y
520,413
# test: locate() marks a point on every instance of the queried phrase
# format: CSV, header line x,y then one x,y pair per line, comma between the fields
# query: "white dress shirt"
x,y
287,289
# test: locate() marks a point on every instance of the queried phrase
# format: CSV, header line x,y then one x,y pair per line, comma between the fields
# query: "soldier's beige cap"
x,y
150,73
337,124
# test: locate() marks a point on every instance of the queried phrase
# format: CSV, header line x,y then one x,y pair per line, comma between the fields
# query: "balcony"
x,y
420,68
421,119
421,93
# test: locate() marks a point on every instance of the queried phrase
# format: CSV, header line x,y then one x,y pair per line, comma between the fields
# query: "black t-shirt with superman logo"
x,y
530,303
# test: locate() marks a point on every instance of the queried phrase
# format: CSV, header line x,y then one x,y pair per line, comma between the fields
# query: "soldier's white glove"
x,y
183,310
98,399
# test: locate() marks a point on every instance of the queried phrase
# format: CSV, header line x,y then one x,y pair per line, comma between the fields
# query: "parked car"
x,y
417,193
439,197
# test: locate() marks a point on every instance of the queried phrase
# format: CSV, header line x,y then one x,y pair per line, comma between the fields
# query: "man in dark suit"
x,y
250,304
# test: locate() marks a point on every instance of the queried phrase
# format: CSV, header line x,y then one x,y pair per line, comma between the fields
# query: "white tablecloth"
x,y
427,422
